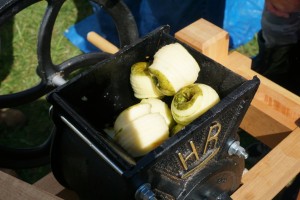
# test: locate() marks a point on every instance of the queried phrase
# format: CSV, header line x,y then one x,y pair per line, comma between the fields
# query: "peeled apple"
x,y
173,67
158,106
142,83
192,101
131,114
144,126
176,129
139,131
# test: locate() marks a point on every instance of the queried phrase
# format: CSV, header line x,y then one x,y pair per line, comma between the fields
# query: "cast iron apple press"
x,y
201,161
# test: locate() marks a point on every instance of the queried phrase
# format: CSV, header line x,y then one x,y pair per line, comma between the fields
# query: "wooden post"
x,y
207,38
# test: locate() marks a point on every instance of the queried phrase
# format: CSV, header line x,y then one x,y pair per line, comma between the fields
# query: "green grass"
x,y
250,49
19,38
18,62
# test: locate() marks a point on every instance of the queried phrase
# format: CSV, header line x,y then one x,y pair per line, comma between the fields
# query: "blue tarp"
x,y
241,18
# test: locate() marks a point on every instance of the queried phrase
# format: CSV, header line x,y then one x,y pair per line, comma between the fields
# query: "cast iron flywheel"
x,y
52,75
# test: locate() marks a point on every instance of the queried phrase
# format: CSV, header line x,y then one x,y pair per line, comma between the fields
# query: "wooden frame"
x,y
273,118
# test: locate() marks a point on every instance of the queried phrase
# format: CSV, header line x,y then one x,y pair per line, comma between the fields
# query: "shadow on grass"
x,y
37,128
34,174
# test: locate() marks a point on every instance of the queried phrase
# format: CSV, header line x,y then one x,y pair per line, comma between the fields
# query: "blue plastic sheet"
x,y
241,18
76,34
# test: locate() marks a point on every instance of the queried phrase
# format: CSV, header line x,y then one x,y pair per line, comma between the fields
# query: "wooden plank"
x,y
208,39
277,108
271,174
263,127
237,60
50,184
12,188
281,104
274,111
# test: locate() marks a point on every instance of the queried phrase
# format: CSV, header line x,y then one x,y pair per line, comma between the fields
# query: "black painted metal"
x,y
91,102
46,69
20,158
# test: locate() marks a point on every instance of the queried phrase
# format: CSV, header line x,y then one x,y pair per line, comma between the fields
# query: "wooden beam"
x,y
49,183
274,111
207,38
271,174
12,188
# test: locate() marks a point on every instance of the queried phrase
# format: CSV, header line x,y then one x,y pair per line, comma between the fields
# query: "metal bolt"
x,y
236,149
144,192
57,79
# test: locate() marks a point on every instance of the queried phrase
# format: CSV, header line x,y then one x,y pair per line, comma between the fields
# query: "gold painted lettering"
x,y
212,137
193,153
210,150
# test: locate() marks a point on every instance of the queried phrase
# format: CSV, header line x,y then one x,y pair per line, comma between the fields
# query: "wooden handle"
x,y
101,43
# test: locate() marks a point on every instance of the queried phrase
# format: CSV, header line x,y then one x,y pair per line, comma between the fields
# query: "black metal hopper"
x,y
196,163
